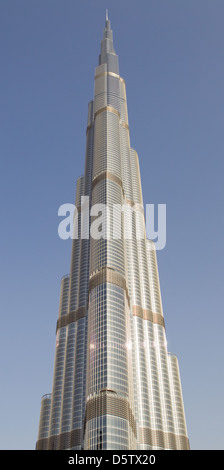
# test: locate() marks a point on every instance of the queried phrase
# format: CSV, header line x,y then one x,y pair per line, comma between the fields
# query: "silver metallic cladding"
x,y
115,386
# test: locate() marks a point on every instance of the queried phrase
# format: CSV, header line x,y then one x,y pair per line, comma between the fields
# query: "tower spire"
x,y
107,52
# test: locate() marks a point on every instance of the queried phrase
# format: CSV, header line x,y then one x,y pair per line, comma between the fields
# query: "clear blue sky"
x,y
171,57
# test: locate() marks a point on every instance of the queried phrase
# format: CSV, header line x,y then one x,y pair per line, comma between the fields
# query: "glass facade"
x,y
115,386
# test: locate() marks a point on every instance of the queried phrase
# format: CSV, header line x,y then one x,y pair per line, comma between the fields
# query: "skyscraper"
x,y
115,386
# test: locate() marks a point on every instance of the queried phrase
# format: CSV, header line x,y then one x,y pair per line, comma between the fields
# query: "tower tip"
x,y
106,15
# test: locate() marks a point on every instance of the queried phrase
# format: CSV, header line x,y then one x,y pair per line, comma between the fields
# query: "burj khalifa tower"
x,y
115,385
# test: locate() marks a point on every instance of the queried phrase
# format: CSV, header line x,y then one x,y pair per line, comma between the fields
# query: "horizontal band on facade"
x,y
136,205
107,175
89,127
165,440
107,108
124,124
147,314
65,440
107,274
109,403
110,74
70,317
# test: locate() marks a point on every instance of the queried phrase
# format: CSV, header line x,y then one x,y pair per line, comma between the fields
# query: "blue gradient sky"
x,y
171,57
